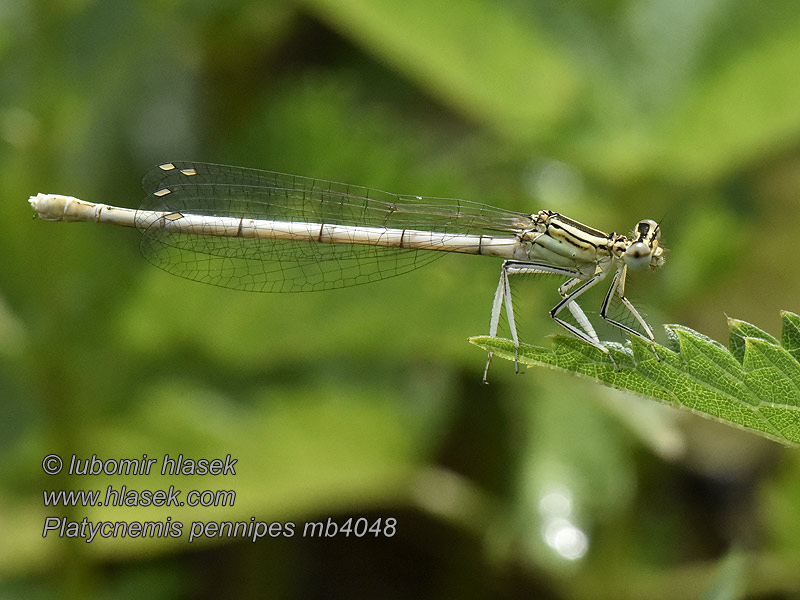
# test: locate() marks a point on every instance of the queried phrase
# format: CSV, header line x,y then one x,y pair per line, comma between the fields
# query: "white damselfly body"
x,y
271,232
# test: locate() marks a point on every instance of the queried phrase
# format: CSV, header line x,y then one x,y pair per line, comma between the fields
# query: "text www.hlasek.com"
x,y
128,497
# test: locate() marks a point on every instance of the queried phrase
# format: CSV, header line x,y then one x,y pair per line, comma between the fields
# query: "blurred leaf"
x,y
729,581
486,59
756,388
779,498
702,232
741,105
567,484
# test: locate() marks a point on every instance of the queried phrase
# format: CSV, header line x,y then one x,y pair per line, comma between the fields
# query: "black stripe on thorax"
x,y
579,226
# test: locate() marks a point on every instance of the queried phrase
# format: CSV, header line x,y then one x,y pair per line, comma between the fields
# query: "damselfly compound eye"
x,y
647,230
637,255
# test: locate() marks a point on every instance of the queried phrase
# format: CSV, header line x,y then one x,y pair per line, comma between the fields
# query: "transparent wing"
x,y
288,265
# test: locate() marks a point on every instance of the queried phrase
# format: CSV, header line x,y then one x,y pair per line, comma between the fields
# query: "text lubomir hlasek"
x,y
178,465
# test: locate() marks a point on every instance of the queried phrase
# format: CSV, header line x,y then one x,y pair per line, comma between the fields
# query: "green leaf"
x,y
754,385
730,579
498,84
740,103
790,334
740,331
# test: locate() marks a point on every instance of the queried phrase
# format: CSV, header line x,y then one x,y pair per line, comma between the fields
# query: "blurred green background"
x,y
368,402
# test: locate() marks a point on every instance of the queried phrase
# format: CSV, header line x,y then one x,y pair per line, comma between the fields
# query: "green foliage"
x,y
729,581
754,385
366,399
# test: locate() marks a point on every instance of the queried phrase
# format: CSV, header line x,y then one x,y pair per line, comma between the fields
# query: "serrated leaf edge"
x,y
682,336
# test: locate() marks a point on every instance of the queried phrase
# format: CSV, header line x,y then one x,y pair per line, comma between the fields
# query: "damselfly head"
x,y
644,249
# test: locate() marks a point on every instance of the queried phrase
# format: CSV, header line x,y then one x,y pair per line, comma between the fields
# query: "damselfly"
x,y
270,232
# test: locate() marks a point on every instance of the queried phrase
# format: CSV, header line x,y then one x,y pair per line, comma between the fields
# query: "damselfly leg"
x,y
618,289
569,291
